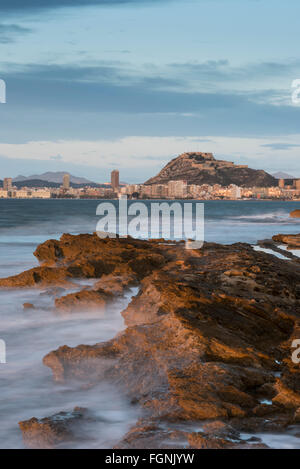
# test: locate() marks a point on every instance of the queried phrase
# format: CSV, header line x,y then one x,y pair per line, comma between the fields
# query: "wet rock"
x,y
88,256
290,240
150,435
295,214
51,432
206,336
201,344
116,283
84,300
200,441
28,306
37,277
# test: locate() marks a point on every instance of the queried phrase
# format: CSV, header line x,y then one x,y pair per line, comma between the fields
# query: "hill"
x,y
203,168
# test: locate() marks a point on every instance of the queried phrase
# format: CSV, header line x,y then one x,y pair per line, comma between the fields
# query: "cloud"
x,y
8,32
110,88
142,156
223,70
281,146
56,157
30,5
112,99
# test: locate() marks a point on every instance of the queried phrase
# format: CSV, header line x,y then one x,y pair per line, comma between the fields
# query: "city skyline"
x,y
108,176
163,77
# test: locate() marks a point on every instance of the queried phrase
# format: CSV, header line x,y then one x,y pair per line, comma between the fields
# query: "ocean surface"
x,y
27,388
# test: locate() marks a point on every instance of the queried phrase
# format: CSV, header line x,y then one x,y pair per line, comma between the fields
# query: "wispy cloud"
x,y
30,5
281,146
9,32
139,157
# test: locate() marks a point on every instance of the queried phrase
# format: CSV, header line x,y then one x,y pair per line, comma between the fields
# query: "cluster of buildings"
x,y
183,190
286,190
9,191
109,190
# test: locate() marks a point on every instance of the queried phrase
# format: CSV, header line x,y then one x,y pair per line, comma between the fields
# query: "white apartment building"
x,y
3,194
177,189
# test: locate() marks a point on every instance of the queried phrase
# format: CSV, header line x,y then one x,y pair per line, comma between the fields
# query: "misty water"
x,y
27,387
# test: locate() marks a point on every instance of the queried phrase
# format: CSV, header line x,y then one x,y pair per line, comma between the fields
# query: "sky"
x,y
95,85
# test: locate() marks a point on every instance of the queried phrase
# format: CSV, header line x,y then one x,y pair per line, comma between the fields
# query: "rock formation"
x,y
50,432
203,168
295,214
208,339
292,241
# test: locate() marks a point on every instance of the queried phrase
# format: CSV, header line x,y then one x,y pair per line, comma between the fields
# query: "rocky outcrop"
x,y
213,435
51,432
295,214
84,300
292,241
208,339
87,256
203,168
38,277
28,306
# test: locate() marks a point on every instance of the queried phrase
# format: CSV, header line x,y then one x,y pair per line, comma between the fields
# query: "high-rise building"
x,y
66,181
281,183
115,183
7,184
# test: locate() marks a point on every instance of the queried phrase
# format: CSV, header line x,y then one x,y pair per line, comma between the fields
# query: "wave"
x,y
279,217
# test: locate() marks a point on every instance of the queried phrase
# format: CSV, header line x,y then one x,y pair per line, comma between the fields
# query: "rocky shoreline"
x,y
206,354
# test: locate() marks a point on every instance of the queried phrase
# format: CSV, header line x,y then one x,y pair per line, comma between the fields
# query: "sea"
x,y
27,387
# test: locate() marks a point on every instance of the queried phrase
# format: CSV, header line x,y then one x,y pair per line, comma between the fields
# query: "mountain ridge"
x,y
283,175
53,177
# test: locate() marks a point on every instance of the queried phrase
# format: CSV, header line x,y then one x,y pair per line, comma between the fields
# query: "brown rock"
x,y
88,256
201,346
83,300
295,214
116,283
37,277
290,240
51,432
206,335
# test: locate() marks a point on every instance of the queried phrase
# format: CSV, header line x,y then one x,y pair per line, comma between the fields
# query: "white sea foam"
x,y
27,387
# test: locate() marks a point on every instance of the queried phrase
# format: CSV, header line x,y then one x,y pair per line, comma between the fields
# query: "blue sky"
x,y
130,84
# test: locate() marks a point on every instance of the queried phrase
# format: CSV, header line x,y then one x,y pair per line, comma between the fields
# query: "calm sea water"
x,y
27,388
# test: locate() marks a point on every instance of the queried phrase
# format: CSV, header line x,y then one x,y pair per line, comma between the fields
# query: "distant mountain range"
x,y
55,177
54,185
281,175
203,168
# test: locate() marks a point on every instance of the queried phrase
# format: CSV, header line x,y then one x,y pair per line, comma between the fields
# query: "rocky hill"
x,y
203,168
